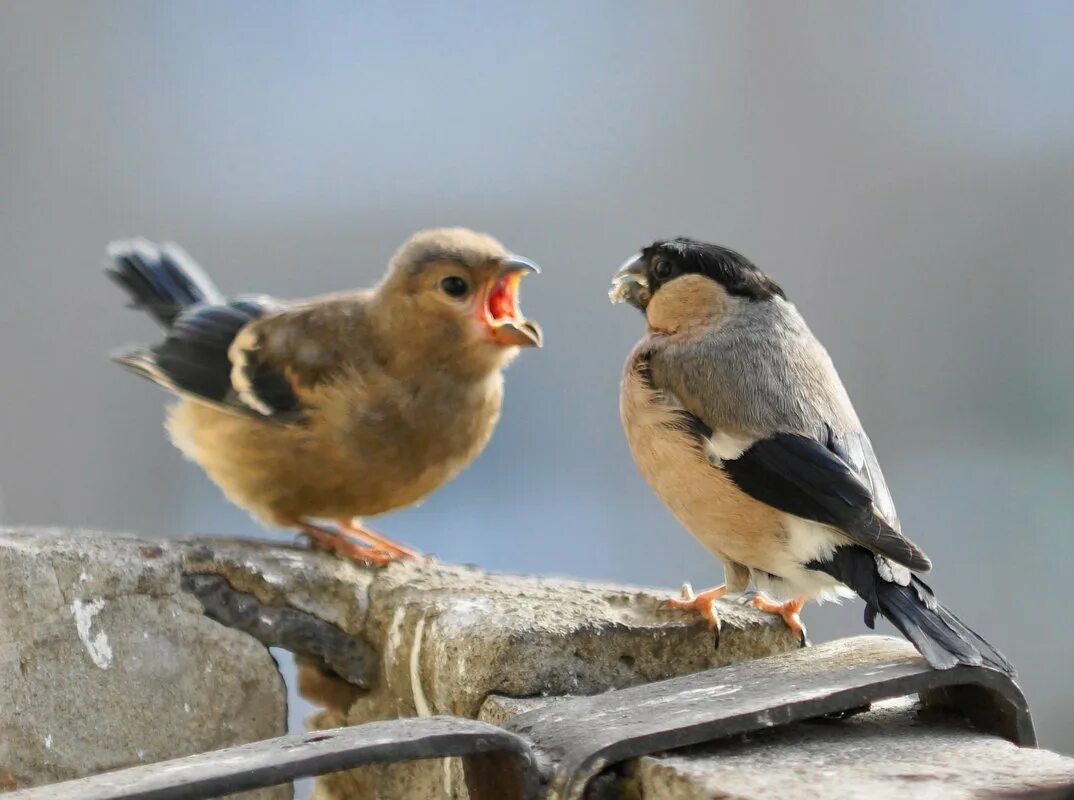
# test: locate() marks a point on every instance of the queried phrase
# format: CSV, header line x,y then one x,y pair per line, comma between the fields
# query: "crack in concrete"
x,y
284,626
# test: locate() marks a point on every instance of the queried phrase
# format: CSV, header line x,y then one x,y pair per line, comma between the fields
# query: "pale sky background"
x,y
905,170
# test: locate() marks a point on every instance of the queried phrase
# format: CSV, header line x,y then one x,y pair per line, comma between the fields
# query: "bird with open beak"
x,y
738,421
340,406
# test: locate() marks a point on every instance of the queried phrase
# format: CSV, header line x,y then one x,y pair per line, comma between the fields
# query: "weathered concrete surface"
x,y
117,623
447,637
105,662
895,751
96,634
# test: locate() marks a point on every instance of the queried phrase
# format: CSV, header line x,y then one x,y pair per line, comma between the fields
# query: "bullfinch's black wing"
x,y
817,481
816,464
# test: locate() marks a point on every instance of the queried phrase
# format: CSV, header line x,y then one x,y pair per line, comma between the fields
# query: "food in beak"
x,y
631,287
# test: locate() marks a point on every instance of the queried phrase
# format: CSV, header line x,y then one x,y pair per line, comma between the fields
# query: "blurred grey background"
x,y
905,170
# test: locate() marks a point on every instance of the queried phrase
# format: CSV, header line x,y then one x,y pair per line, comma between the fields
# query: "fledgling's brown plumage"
x,y
340,406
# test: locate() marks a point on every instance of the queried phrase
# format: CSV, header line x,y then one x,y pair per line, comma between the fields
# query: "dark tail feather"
x,y
143,362
941,637
162,281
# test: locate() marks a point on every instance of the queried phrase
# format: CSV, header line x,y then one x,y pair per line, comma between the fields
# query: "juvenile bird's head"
x,y
682,283
456,291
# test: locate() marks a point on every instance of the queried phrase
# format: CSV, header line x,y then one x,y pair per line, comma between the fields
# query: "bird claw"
x,y
371,557
364,556
346,547
788,611
353,529
703,603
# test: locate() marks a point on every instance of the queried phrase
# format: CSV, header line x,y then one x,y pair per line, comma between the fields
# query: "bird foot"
x,y
788,611
345,547
703,603
354,529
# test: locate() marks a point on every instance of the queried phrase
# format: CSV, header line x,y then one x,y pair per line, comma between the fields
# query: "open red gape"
x,y
502,301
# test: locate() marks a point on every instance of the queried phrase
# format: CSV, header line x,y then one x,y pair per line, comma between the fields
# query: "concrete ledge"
x,y
163,645
116,651
897,750
448,637
105,662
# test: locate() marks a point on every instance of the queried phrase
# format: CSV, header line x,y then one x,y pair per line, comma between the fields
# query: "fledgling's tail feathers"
x,y
942,638
143,362
162,281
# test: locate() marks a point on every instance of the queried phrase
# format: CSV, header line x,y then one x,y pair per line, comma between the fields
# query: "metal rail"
x,y
275,761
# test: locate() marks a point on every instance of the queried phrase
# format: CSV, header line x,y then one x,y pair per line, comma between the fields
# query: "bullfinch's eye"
x,y
663,269
454,286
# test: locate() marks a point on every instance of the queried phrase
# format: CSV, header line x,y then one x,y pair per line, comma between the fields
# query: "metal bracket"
x,y
561,747
275,761
578,739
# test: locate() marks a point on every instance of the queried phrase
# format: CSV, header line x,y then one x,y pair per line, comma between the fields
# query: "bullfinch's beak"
x,y
629,284
501,312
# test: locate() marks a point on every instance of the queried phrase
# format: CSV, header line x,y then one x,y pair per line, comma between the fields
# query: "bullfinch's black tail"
x,y
910,605
162,281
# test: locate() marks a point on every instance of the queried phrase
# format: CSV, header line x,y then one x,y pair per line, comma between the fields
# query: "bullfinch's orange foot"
x,y
788,610
346,547
703,603
353,528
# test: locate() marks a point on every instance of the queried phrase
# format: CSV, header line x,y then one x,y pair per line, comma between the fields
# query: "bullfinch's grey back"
x,y
738,420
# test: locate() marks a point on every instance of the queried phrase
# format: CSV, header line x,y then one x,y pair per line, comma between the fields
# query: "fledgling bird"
x,y
340,406
738,421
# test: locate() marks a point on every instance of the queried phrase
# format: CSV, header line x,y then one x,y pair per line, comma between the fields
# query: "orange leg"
x,y
788,610
399,552
704,603
344,546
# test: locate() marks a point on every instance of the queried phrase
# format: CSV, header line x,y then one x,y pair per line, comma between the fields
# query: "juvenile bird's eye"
x,y
454,285
663,269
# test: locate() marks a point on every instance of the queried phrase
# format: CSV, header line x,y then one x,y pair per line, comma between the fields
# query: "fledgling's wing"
x,y
279,360
194,360
773,413
253,356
